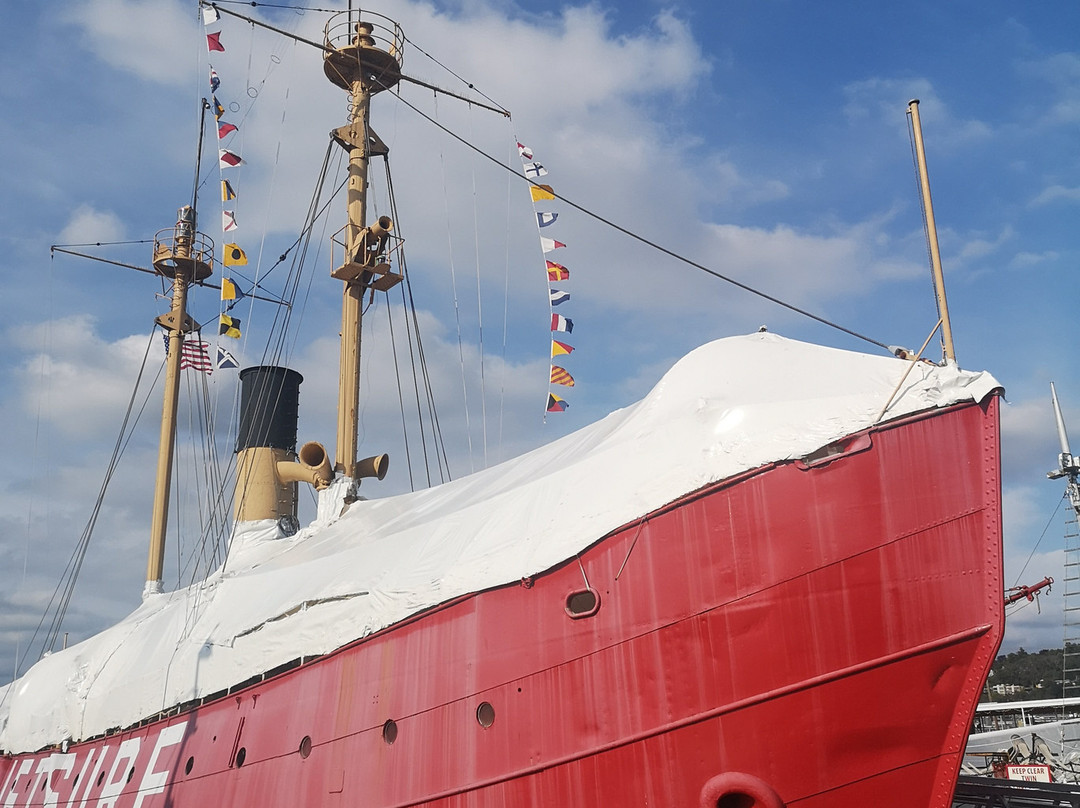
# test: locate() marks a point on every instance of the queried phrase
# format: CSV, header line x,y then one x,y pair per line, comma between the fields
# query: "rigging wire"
x,y
104,243
1042,535
409,337
61,596
593,215
464,81
401,396
457,309
506,301
479,311
647,242
417,357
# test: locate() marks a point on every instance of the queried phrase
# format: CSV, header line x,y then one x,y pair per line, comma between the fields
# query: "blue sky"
x,y
767,140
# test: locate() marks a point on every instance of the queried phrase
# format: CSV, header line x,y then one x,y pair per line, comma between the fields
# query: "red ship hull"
x,y
808,635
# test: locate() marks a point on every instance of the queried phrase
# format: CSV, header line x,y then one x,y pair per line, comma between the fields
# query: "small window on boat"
x,y
101,779
582,603
485,714
189,765
389,732
241,756
305,746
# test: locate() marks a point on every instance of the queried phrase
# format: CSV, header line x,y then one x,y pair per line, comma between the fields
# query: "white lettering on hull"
x,y
24,783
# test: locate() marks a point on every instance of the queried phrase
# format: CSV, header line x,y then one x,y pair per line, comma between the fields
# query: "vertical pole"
x,y
352,294
931,234
156,560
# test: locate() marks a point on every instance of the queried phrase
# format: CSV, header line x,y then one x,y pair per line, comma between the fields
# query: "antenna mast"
x,y
1068,464
931,234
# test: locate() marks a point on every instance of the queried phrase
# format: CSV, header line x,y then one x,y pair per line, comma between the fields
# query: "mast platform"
x,y
364,51
176,252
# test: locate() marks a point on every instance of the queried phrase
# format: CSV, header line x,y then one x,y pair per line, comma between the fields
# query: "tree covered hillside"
x,y
1020,675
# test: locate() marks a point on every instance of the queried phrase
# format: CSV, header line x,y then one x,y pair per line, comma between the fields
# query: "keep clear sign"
x,y
1035,772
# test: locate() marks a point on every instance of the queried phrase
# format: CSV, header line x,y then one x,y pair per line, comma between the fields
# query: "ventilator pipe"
x,y
376,466
312,466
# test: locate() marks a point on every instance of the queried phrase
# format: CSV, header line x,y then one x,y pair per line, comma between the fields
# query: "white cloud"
x,y
1055,193
148,38
879,99
90,226
1026,260
1062,72
75,380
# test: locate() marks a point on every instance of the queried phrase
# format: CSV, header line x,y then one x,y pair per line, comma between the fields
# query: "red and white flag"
x,y
228,159
194,355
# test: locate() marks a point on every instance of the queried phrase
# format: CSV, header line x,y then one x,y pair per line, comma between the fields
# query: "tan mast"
x,y
931,234
356,60
186,256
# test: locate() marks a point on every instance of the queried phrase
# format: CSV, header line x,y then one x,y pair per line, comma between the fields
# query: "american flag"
x,y
193,354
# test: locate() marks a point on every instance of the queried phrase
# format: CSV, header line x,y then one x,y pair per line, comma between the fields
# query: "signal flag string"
x,y
556,273
233,254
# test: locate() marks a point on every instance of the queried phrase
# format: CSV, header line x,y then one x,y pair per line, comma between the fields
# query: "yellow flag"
x,y
541,192
234,256
228,289
229,326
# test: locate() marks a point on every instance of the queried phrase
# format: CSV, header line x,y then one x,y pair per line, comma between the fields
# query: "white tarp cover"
x,y
732,405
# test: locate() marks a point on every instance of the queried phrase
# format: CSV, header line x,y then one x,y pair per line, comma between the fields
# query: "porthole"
x,y
189,765
389,731
305,746
736,800
101,779
485,715
582,603
131,773
241,756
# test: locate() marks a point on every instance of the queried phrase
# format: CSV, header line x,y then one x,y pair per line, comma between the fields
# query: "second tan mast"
x,y
362,57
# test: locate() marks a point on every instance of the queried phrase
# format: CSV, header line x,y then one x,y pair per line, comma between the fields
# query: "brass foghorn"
x,y
376,467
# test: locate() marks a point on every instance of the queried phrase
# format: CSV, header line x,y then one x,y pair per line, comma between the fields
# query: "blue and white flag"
x,y
534,170
226,359
544,219
558,296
